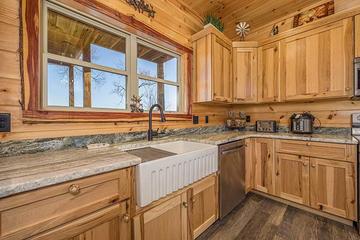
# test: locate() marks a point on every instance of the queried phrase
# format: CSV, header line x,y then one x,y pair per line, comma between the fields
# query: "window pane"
x,y
108,90
148,93
170,98
157,64
72,38
58,85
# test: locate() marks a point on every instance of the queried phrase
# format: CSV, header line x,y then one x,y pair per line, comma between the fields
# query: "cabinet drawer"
x,y
34,212
341,152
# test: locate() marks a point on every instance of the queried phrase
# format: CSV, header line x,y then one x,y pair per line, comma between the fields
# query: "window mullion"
x,y
133,79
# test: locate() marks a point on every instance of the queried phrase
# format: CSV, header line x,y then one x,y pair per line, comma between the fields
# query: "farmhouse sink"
x,y
159,177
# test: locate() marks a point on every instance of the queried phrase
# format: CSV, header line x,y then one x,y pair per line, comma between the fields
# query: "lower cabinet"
x,y
169,220
264,165
292,178
333,187
203,206
112,223
182,217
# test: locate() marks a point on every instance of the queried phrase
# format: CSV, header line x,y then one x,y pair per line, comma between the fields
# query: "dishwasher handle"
x,y
231,150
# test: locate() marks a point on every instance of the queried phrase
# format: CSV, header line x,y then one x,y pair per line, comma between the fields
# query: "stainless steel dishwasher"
x,y
232,175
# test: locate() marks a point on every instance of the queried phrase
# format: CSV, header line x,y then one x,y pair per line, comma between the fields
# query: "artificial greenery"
x,y
214,21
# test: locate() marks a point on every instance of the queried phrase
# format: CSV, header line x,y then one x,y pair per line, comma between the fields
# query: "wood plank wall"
x,y
331,113
172,19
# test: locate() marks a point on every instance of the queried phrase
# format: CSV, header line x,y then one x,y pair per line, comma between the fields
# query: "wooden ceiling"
x,y
255,12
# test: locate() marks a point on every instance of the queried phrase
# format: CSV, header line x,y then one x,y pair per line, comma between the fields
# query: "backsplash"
x,y
12,148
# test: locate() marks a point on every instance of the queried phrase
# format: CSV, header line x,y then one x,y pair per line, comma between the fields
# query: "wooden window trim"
x,y
30,65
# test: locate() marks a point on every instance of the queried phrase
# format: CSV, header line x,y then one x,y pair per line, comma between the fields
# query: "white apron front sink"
x,y
157,178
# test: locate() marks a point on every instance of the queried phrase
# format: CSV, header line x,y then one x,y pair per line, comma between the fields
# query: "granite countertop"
x,y
32,171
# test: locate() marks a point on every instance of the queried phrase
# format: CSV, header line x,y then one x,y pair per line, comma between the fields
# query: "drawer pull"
x,y
126,218
185,204
74,189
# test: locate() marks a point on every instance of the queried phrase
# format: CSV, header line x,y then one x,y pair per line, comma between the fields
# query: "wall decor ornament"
x,y
242,29
314,14
141,7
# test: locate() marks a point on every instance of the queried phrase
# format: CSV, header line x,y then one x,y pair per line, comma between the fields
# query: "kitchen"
x,y
179,119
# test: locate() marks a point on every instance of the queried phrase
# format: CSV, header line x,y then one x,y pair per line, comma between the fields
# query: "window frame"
x,y
130,72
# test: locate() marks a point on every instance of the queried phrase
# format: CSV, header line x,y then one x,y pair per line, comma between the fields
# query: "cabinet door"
x,y
249,164
269,73
245,75
204,205
357,36
264,165
111,223
318,63
221,71
333,187
168,220
292,178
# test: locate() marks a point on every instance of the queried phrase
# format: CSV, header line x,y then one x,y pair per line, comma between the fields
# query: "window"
x,y
88,65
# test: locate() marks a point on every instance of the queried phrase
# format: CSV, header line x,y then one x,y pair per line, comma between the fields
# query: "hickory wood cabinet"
x,y
269,73
319,175
357,35
263,169
212,66
94,208
318,63
245,72
183,215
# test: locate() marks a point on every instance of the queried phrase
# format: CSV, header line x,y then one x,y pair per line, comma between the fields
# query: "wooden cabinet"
x,y
318,63
249,164
269,73
112,223
245,73
264,165
183,216
332,187
203,205
292,178
212,66
69,209
357,36
169,220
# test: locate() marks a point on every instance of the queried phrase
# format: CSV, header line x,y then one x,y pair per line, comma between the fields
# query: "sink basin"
x,y
190,163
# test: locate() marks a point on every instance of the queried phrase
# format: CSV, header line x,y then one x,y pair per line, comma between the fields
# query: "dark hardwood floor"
x,y
262,218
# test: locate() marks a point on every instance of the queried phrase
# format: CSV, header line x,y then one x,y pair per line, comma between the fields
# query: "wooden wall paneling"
x,y
329,113
341,5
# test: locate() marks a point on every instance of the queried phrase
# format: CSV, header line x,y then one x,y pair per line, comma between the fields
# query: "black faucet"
x,y
162,119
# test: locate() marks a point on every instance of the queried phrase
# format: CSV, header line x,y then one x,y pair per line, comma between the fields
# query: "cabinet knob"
x,y
74,189
313,165
277,173
193,200
185,204
347,89
126,218
305,164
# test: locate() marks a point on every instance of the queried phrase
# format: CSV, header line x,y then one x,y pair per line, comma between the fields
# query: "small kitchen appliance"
x,y
266,126
302,123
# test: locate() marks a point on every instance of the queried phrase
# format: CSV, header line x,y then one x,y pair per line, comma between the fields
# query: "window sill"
x,y
40,116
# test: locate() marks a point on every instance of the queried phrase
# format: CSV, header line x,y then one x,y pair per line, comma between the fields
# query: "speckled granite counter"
x,y
32,171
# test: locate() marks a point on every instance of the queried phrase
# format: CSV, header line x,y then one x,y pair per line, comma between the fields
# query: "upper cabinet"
x,y
318,63
357,36
245,72
212,66
269,73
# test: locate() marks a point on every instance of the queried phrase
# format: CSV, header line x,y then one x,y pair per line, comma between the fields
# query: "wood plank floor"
x,y
262,218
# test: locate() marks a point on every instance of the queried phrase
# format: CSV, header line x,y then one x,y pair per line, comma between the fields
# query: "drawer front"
x,y
53,206
292,147
340,152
